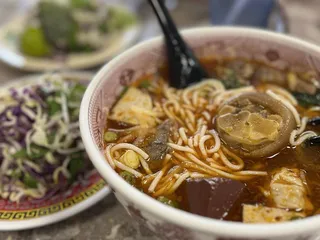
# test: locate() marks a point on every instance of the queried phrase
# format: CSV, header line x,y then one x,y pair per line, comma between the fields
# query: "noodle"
x,y
201,145
155,182
131,147
226,161
196,151
108,155
216,140
128,169
145,165
180,180
181,148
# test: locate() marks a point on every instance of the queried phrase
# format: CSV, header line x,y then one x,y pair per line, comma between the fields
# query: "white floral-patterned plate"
x,y
10,53
78,197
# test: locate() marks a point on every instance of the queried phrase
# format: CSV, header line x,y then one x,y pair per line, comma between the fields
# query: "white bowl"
x,y
169,223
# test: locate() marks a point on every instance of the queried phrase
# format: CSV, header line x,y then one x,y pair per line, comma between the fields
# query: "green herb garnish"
x,y
53,107
306,99
145,84
37,151
84,4
231,80
295,218
77,92
29,181
168,201
21,154
76,164
128,177
110,136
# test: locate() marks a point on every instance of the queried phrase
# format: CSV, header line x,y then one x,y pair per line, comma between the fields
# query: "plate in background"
x,y
10,53
78,197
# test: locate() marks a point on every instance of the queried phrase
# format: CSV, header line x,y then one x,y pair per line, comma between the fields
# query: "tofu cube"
x,y
134,108
262,214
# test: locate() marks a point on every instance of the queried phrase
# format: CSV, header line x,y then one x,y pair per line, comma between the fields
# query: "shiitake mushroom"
x,y
255,125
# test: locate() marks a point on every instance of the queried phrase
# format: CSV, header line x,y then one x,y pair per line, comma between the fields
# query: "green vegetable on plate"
x,y
30,181
34,43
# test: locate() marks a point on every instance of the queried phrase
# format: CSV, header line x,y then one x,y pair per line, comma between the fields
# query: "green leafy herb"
x,y
37,151
29,181
51,137
306,99
295,218
110,136
53,107
103,27
16,173
119,19
74,114
168,201
77,92
231,81
128,177
21,154
58,24
84,4
145,84
76,164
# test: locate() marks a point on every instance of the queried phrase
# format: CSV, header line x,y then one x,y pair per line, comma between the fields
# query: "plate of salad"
x,y
67,34
46,175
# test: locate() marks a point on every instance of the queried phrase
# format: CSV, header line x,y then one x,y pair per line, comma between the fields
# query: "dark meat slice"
x,y
155,144
211,197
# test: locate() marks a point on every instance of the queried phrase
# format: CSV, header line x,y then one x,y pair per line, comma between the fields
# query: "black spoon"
x,y
184,68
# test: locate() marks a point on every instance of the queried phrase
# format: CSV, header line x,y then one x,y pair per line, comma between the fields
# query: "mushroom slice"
x,y
255,125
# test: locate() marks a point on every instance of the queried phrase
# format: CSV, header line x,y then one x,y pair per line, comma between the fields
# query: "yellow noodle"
x,y
108,155
131,147
202,148
229,164
216,140
155,181
128,169
145,165
181,148
179,181
183,135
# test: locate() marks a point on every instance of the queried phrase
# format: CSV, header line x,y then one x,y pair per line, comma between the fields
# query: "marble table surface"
x,y
107,220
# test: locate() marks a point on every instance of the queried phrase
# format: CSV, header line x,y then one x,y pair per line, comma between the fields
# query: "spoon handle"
x,y
167,25
183,66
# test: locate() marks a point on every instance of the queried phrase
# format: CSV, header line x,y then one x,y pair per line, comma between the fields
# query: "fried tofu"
x,y
288,190
135,107
262,214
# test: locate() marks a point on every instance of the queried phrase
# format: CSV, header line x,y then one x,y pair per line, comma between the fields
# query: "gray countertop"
x,y
108,220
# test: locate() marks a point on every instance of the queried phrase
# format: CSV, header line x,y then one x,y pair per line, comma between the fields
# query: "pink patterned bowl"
x,y
277,50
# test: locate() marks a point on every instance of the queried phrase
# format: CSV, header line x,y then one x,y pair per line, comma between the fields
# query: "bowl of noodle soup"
x,y
155,145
